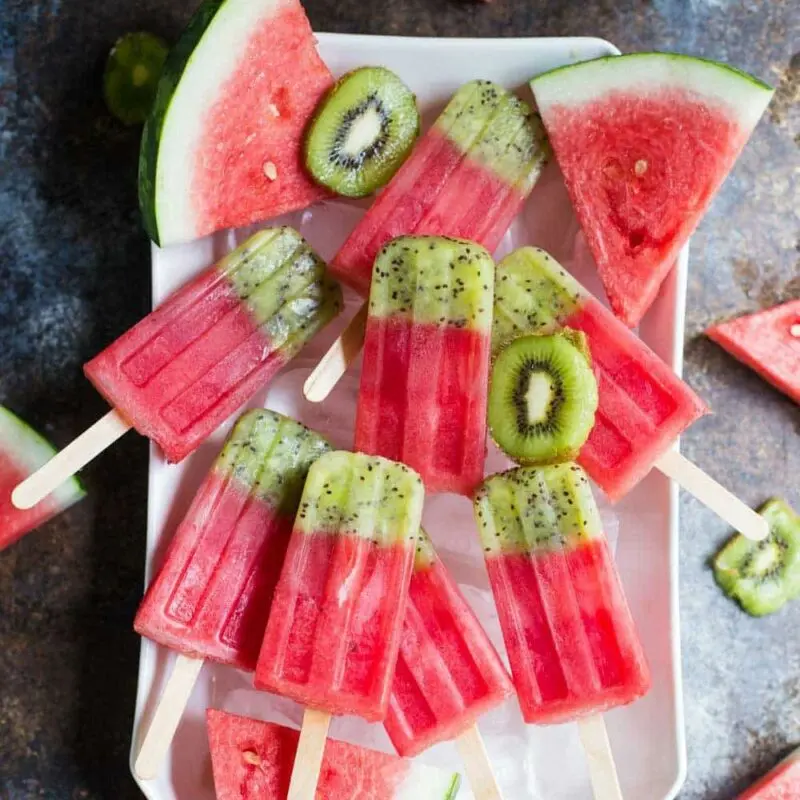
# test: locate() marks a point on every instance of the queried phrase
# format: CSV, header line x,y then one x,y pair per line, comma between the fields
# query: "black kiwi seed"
x,y
362,132
542,398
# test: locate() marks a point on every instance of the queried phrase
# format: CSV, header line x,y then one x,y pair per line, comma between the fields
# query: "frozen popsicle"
x,y
570,637
252,760
333,633
187,366
448,673
422,398
211,597
643,406
467,177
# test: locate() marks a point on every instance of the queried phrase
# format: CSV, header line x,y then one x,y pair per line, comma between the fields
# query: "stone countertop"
x,y
74,273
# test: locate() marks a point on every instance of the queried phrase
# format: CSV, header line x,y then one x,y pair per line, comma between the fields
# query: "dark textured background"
x,y
74,273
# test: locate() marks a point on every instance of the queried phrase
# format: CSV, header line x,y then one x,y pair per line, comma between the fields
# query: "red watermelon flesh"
x,y
22,451
781,783
768,342
644,142
253,760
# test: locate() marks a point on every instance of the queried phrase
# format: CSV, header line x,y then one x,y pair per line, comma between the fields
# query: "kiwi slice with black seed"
x,y
763,576
362,132
542,397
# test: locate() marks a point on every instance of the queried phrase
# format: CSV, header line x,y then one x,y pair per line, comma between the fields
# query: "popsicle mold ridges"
x,y
531,508
448,672
434,280
333,634
181,371
212,595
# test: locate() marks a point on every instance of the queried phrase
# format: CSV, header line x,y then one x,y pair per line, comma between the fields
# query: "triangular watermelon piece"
x,y
223,145
23,451
644,141
768,342
253,760
780,783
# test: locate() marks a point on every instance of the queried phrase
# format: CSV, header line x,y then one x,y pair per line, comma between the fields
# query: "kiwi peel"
x,y
763,576
542,397
362,132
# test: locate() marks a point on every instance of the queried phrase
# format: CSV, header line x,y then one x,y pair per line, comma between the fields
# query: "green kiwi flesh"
x,y
542,398
763,576
362,132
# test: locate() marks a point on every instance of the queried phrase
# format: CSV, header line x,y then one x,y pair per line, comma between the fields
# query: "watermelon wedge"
x,y
768,342
222,147
253,760
23,451
644,141
781,783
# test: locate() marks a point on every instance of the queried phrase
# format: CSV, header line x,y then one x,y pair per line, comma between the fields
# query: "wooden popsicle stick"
x,y
168,715
308,759
64,464
727,505
476,762
341,354
602,769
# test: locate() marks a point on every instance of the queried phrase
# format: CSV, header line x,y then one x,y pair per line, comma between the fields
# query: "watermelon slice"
x,y
222,147
253,760
781,783
23,451
768,342
644,141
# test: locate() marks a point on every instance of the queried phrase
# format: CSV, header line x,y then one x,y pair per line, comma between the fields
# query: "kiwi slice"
x,y
763,576
362,132
131,76
542,397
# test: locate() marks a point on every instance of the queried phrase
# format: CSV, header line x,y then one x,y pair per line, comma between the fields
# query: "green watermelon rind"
x,y
677,57
174,67
455,785
30,450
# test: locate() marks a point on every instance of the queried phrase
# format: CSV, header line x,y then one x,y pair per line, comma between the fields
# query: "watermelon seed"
x,y
270,170
273,109
795,330
640,167
251,757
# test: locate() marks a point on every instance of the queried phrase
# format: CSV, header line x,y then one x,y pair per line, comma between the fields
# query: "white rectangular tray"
x,y
531,762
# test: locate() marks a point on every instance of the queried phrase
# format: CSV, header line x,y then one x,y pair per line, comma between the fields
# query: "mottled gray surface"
x,y
74,273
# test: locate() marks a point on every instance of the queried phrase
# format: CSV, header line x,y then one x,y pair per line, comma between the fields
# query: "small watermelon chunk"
x,y
222,147
781,783
768,342
253,760
644,142
22,452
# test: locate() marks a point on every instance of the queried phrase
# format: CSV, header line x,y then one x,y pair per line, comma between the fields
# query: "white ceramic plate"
x,y
531,762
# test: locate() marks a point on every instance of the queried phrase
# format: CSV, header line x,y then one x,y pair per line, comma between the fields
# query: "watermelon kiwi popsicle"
x,y
448,673
467,178
422,397
644,142
211,597
642,406
570,637
22,451
186,367
222,147
767,342
334,629
252,760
